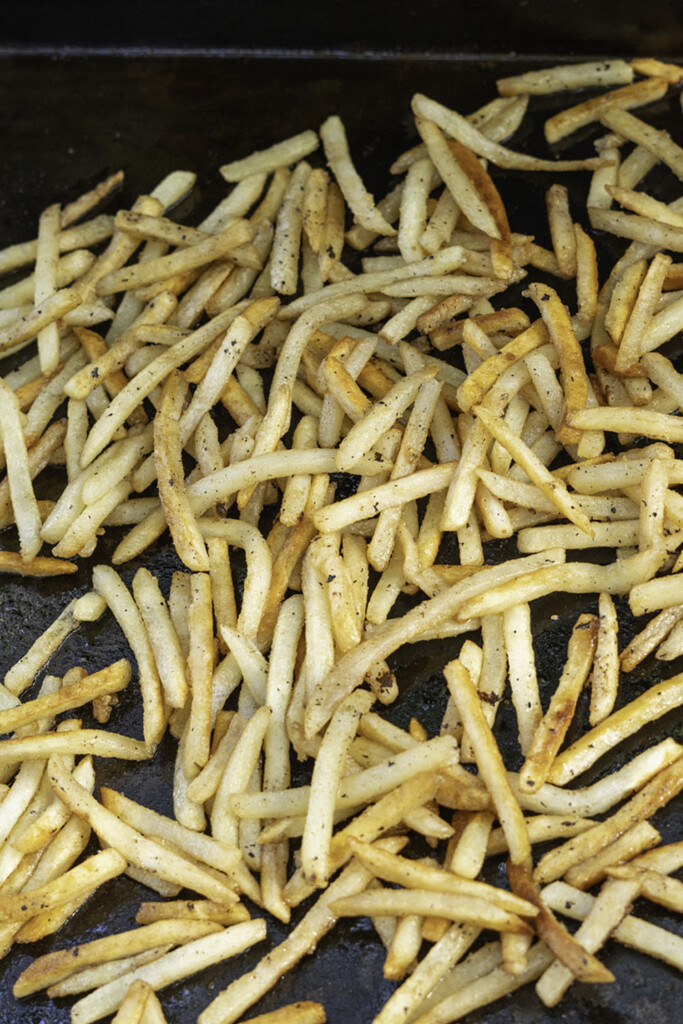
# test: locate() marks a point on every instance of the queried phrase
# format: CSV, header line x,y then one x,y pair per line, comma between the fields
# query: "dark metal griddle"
x,y
66,120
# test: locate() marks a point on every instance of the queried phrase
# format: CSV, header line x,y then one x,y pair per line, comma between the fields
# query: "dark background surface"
x,y
67,120
472,27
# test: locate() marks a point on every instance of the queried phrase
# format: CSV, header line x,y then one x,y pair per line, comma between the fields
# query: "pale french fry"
x,y
656,141
92,977
605,677
200,674
201,847
489,760
542,827
178,964
362,787
162,637
414,875
55,815
235,778
360,202
324,784
383,902
138,850
284,267
22,496
516,623
568,76
22,674
150,271
616,578
294,1013
111,587
632,931
335,517
413,215
350,670
552,488
488,985
458,183
464,132
561,228
170,474
80,741
608,911
602,794
282,154
145,381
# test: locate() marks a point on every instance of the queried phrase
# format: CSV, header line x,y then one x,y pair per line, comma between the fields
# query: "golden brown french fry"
x,y
553,728
633,95
108,680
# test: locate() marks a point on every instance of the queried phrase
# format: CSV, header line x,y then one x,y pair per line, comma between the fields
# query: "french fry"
x,y
200,847
486,986
162,637
459,128
489,761
294,1013
657,792
650,705
635,840
111,587
12,563
522,672
362,787
632,931
605,677
657,142
97,869
109,680
324,784
552,729
21,489
552,488
177,964
91,977
360,202
200,674
609,909
282,154
81,741
568,76
633,95
284,267
414,875
461,908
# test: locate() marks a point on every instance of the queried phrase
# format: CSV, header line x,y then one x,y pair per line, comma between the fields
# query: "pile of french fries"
x,y
222,382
